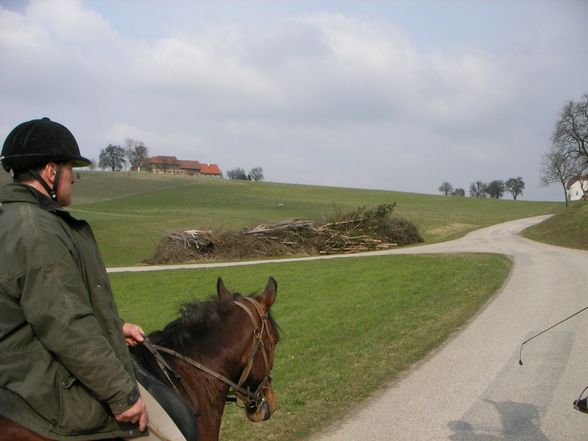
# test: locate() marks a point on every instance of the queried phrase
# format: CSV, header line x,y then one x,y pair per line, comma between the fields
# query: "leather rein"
x,y
250,399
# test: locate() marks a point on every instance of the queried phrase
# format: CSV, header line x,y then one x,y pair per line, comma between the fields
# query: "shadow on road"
x,y
517,421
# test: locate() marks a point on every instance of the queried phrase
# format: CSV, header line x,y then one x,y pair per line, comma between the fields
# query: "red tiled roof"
x,y
205,169
189,165
167,160
210,169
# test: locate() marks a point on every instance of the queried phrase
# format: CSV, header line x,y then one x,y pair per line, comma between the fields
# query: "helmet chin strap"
x,y
52,191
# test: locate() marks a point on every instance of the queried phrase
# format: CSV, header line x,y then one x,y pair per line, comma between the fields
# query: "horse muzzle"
x,y
264,408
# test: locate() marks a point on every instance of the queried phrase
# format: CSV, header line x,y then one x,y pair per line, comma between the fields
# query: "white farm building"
x,y
578,188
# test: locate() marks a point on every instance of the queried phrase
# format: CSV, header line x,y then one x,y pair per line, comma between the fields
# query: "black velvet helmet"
x,y
37,142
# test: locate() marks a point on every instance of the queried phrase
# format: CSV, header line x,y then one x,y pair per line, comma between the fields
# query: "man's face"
x,y
66,180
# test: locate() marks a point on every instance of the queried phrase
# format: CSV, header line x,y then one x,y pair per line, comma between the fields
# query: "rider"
x,y
65,370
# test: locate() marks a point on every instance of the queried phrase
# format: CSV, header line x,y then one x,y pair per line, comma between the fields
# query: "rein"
x,y
250,399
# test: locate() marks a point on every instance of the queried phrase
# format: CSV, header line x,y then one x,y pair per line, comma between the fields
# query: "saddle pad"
x,y
175,406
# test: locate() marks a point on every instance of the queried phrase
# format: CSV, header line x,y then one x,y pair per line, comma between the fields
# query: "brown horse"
x,y
221,345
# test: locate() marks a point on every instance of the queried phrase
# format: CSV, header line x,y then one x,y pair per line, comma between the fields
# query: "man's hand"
x,y
134,414
134,335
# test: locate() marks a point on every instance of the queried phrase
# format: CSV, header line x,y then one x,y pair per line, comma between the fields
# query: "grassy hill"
x,y
568,228
130,212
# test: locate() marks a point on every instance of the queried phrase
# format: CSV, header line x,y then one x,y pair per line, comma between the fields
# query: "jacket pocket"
x,y
80,410
29,374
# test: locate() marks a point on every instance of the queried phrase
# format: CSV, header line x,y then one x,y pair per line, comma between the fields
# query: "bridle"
x,y
251,400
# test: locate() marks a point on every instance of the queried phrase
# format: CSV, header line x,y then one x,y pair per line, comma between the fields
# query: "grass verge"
x,y
568,228
349,325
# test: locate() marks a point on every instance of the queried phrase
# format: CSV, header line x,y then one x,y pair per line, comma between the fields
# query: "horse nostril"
x,y
267,412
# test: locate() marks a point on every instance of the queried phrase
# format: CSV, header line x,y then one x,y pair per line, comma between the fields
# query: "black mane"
x,y
195,320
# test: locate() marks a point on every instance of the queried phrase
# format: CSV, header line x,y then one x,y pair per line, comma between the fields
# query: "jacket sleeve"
x,y
57,306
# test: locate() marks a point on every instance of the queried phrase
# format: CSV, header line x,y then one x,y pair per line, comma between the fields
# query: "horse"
x,y
216,347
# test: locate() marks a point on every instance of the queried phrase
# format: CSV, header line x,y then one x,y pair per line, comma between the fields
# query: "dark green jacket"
x,y
64,365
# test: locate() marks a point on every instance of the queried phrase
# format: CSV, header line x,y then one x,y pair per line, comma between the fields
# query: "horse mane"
x,y
196,319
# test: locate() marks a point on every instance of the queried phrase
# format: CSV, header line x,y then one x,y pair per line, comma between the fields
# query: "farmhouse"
x,y
174,166
578,188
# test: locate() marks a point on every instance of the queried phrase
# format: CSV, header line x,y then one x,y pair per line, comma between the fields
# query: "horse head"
x,y
257,355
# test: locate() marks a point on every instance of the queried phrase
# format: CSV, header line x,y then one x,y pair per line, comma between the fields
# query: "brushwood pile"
x,y
363,229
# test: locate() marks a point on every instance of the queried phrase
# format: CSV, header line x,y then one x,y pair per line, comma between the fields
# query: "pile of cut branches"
x,y
364,229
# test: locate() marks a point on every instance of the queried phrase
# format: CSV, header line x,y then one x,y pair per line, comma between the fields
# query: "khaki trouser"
x,y
161,427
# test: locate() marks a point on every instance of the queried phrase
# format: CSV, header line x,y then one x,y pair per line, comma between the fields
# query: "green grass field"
x,y
130,212
348,325
568,228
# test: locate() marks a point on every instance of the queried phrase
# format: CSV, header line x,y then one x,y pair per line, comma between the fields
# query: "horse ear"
x,y
268,297
223,293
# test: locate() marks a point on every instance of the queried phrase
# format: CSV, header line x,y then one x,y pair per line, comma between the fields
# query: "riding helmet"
x,y
37,142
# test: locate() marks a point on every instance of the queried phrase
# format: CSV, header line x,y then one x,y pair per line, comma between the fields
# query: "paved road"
x,y
472,389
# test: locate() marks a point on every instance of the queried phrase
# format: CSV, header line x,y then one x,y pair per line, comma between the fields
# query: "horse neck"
x,y
211,395
221,353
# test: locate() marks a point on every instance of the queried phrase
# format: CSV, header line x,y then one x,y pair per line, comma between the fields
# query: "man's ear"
x,y
48,172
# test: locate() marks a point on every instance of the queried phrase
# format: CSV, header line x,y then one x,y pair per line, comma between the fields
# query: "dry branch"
x,y
359,230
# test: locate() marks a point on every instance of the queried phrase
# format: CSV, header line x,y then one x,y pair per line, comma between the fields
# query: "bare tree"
x,y
136,152
237,173
446,188
570,135
256,174
515,187
478,189
560,167
495,189
113,157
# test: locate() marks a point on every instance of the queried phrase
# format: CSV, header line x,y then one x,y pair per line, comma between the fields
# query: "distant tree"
x,y
136,152
446,188
478,189
495,189
256,174
458,192
237,173
92,165
559,167
515,187
570,135
113,157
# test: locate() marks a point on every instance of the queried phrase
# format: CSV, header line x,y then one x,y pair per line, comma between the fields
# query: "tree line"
x,y
566,158
255,174
133,152
494,189
115,157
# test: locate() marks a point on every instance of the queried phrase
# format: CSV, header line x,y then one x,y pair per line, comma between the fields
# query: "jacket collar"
x,y
25,193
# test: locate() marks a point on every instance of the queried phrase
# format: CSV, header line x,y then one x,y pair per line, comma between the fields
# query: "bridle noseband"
x,y
251,400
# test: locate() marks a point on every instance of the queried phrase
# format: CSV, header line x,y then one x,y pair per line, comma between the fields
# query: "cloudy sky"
x,y
397,95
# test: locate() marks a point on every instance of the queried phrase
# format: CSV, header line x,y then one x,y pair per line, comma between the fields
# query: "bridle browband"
x,y
250,399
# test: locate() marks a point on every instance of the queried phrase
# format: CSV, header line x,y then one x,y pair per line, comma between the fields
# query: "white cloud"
x,y
68,21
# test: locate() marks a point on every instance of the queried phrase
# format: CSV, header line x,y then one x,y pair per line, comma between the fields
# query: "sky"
x,y
393,95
